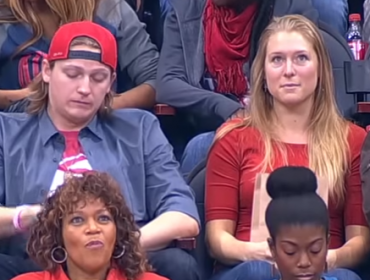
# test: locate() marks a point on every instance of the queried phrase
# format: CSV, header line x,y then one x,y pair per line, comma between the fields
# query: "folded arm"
x,y
139,56
174,88
222,205
356,248
26,218
357,245
9,96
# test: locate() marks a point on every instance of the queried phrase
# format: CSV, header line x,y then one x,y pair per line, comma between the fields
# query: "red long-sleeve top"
x,y
229,187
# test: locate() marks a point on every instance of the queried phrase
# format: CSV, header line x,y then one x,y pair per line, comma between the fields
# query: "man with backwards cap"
x,y
69,129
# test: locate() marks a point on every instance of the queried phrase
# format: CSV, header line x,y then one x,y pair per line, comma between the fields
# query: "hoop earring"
x,y
56,260
120,254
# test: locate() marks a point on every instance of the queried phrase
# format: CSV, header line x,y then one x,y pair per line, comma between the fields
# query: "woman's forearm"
x,y
230,251
352,252
6,222
142,96
26,218
9,96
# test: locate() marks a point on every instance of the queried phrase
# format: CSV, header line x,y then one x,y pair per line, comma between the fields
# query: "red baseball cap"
x,y
60,44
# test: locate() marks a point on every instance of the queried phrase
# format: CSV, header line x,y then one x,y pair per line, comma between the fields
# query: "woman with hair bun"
x,y
298,222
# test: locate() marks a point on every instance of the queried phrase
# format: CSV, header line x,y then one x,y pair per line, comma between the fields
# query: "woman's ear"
x,y
272,246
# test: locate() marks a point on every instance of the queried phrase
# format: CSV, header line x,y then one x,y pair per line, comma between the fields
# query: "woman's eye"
x,y
277,59
315,250
76,220
302,58
105,218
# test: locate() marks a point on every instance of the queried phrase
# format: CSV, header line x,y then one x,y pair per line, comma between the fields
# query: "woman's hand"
x,y
331,259
240,114
259,251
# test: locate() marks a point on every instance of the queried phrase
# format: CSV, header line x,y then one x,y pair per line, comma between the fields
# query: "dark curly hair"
x,y
46,234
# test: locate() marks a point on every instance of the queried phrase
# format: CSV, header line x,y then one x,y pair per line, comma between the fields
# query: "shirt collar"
x,y
47,129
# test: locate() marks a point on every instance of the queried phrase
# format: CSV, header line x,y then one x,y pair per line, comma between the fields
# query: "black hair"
x,y
294,200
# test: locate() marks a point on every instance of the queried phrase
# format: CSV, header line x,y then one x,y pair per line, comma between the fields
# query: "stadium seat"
x,y
196,180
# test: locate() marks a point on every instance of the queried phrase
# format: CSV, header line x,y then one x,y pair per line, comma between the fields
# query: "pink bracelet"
x,y
17,217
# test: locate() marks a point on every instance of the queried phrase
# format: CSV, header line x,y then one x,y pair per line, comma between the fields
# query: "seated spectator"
x,y
70,129
28,26
293,120
208,47
334,13
92,236
298,222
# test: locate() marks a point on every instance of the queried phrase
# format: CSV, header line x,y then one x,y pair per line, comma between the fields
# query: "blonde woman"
x,y
293,120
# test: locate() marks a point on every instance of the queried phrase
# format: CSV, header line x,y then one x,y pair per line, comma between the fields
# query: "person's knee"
x,y
11,267
196,151
201,142
343,274
174,264
256,270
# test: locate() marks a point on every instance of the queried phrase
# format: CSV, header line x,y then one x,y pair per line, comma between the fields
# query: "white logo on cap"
x,y
57,54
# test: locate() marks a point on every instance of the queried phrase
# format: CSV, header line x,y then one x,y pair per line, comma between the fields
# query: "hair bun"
x,y
291,181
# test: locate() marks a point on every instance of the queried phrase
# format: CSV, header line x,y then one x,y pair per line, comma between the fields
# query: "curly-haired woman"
x,y
86,231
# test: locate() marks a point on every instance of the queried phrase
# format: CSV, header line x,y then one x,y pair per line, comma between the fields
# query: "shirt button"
x,y
55,159
43,193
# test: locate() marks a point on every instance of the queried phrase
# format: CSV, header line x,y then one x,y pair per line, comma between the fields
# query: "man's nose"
x,y
84,86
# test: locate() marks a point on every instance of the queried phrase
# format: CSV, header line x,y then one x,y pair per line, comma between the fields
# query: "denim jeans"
x,y
260,270
333,13
11,267
165,6
174,264
195,152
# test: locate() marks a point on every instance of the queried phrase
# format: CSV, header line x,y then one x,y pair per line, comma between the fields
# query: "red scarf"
x,y
227,43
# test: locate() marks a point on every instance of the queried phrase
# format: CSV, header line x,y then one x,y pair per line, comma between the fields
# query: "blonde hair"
x,y
65,11
328,149
39,90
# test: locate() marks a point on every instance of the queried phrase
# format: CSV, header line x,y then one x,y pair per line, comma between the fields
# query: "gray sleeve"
x,y
2,178
366,26
173,85
166,190
136,52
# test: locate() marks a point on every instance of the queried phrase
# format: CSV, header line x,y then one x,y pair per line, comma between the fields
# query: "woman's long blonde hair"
x,y
64,10
328,149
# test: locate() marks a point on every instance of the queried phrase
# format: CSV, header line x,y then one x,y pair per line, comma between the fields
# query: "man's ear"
x,y
113,79
272,246
46,71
